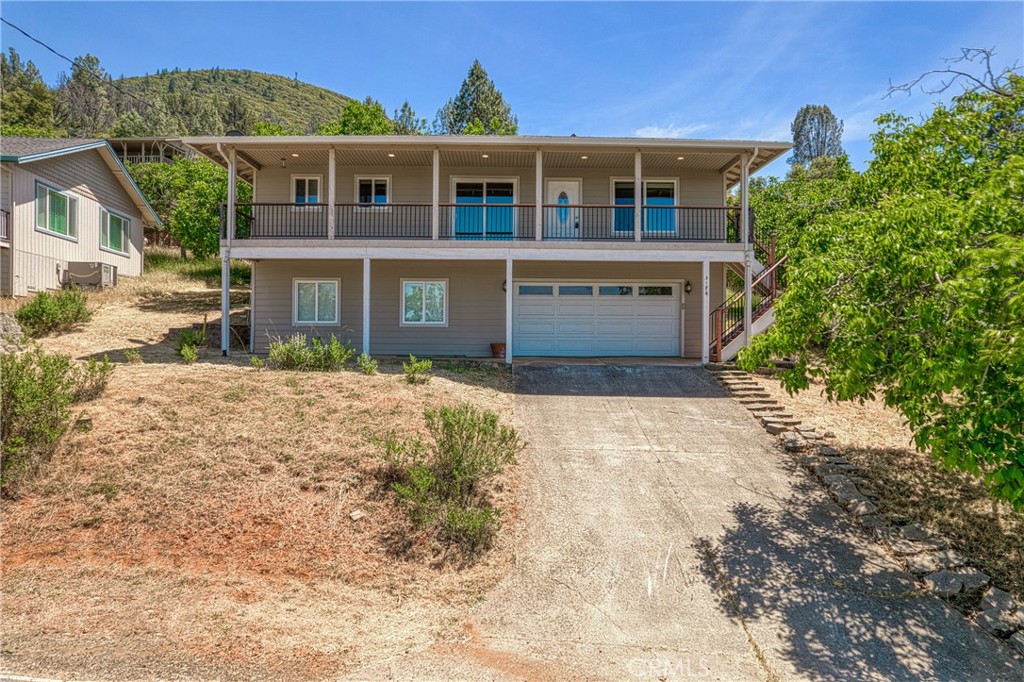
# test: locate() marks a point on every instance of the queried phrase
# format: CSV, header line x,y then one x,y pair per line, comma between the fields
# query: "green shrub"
x,y
36,396
314,356
442,483
256,362
417,371
53,313
190,336
366,364
133,356
189,353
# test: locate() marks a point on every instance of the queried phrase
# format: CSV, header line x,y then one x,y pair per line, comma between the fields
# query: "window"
x,y
114,232
659,197
373,190
616,291
575,290
316,301
425,302
306,189
480,213
536,290
56,212
655,291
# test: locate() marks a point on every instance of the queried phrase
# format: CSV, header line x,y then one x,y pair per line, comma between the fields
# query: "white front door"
x,y
562,223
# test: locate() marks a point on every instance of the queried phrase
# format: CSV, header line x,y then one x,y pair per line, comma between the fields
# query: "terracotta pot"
x,y
497,350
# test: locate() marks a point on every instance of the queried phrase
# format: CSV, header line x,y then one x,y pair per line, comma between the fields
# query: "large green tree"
x,y
84,101
407,123
360,118
816,133
478,109
26,104
915,289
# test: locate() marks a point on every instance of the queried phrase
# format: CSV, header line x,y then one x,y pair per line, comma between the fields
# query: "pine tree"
x,y
406,122
478,106
26,107
83,100
816,133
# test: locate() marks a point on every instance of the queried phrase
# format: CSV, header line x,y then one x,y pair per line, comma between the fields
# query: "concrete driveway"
x,y
665,538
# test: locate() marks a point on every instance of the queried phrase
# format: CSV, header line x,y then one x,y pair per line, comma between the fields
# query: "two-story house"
x,y
547,246
69,213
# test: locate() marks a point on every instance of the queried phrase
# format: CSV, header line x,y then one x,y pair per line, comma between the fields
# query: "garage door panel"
x,y
541,326
616,327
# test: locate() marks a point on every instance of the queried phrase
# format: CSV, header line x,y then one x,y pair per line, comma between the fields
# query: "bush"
x,y
366,364
314,356
190,336
36,395
256,362
417,371
189,353
133,356
53,313
442,483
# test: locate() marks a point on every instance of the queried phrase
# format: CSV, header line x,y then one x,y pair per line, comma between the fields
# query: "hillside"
x,y
245,96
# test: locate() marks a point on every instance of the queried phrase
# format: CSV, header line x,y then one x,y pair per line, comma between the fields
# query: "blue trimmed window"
x,y
56,212
115,232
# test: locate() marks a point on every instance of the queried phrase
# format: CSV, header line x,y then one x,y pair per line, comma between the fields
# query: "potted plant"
x,y
497,350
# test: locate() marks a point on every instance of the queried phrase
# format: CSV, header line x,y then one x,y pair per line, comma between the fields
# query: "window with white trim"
x,y
56,211
306,189
315,301
425,302
115,232
373,190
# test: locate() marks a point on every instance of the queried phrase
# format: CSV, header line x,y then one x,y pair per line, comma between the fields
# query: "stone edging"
x,y
936,567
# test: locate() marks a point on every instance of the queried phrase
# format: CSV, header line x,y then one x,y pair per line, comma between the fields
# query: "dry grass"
x,y
202,527
912,487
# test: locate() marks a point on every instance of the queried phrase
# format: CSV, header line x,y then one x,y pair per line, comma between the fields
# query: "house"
x,y
550,246
69,213
149,149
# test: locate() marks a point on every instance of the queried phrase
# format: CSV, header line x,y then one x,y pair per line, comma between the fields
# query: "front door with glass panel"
x,y
483,209
562,215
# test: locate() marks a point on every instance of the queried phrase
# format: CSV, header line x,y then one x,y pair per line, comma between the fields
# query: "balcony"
x,y
476,222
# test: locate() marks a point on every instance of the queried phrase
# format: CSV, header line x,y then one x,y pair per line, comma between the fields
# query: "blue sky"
x,y
715,70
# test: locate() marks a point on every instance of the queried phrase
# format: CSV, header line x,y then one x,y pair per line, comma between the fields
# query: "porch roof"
x,y
490,151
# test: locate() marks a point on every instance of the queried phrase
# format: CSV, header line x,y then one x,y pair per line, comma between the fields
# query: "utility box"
x,y
86,274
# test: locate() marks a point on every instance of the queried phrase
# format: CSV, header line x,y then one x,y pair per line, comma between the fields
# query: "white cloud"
x,y
672,130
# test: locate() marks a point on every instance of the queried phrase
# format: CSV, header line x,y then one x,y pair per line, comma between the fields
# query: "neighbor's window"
x,y
425,302
316,301
56,212
306,189
373,190
114,231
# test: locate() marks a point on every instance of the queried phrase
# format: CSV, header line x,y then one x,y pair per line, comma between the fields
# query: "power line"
x,y
75,62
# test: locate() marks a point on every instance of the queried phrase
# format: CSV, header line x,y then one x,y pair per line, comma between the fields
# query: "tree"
x,y
272,129
916,288
406,122
26,104
360,118
236,115
816,133
479,106
83,100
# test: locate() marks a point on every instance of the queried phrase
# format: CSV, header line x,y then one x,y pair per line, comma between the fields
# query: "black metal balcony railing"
x,y
483,222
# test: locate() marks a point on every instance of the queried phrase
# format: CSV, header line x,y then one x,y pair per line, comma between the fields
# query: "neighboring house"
x,y
550,246
67,207
149,149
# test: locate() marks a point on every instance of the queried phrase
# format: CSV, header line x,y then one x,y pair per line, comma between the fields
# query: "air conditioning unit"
x,y
91,274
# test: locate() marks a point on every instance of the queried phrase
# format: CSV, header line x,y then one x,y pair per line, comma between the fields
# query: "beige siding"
x,y
273,304
5,271
39,257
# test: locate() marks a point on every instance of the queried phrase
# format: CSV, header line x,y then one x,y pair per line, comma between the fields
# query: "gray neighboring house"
x,y
537,246
67,208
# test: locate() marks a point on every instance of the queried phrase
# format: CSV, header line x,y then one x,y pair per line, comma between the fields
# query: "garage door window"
x,y
616,291
655,291
575,290
536,290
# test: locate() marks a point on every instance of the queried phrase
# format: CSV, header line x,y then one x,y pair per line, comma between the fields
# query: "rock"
x,y
861,507
827,451
811,435
974,580
832,469
1017,640
793,444
914,531
356,514
904,547
944,583
833,459
11,336
997,622
872,521
811,461
930,562
997,599
829,434
775,429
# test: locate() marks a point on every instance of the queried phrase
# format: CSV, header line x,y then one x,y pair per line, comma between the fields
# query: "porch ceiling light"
x,y
295,155
584,157
391,155
679,158
485,156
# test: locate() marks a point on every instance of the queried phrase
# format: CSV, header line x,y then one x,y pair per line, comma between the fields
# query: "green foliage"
x,y
478,109
407,123
360,118
26,104
816,133
190,336
205,269
916,286
442,483
53,313
189,353
417,371
269,129
84,104
36,396
133,356
257,362
366,364
315,356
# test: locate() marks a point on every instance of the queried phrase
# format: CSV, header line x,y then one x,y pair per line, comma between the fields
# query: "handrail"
x,y
725,330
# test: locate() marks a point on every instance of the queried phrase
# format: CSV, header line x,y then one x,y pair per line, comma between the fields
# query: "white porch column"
x,y
366,306
508,311
435,207
638,196
748,255
539,194
705,312
225,264
331,194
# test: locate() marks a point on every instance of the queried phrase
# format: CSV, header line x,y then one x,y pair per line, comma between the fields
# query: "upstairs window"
x,y
114,232
373,190
306,189
56,212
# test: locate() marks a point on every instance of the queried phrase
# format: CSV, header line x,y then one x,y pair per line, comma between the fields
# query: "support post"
x,y
638,196
539,194
435,198
705,311
748,250
508,311
225,265
366,306
744,200
331,194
